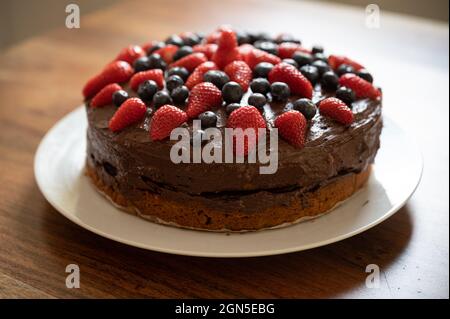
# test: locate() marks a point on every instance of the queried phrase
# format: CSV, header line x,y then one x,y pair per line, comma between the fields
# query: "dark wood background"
x,y
41,80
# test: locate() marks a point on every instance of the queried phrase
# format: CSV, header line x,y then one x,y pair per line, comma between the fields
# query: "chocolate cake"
x,y
325,109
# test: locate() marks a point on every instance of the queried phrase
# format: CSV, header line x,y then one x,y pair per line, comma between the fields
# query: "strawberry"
x,y
246,117
227,51
362,88
130,53
196,77
191,61
203,97
337,110
156,75
289,74
207,49
239,72
104,97
167,52
245,50
256,56
292,127
115,72
165,119
213,37
287,49
131,111
336,60
148,45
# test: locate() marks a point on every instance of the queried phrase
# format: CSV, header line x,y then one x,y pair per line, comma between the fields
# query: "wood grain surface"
x,y
41,80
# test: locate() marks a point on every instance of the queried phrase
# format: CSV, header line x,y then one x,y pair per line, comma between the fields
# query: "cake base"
x,y
193,215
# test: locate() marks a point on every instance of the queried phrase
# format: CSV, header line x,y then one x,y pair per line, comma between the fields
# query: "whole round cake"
x,y
230,131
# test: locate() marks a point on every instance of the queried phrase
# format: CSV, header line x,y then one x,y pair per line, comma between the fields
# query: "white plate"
x,y
59,166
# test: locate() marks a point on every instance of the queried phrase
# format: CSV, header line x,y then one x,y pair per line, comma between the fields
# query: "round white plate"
x,y
59,164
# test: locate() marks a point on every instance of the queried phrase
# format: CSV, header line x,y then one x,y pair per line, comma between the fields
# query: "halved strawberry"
x,y
104,97
292,127
299,84
167,52
256,56
191,61
156,75
130,112
239,72
362,88
165,119
337,60
203,97
130,53
196,77
227,50
337,110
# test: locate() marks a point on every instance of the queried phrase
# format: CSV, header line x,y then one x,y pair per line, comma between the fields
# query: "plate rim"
x,y
77,221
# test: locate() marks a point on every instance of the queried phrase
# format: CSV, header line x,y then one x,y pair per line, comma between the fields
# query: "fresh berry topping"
x,y
156,75
156,61
231,107
147,46
131,111
260,85
232,92
203,97
286,38
346,95
175,40
155,46
329,81
191,61
245,50
182,52
267,46
292,127
115,72
216,77
104,97
239,72
190,38
208,119
306,107
291,62
161,98
287,49
302,58
280,91
119,97
242,37
173,82
227,50
363,73
317,49
336,60
256,56
298,84
167,53
337,110
130,53
246,117
257,99
320,57
206,49
322,66
344,68
197,76
180,94
311,73
142,64
180,71
362,88
147,90
262,70
165,119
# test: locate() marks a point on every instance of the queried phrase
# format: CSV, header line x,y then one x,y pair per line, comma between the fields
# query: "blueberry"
x,y
291,62
262,69
346,95
231,107
157,46
363,73
180,71
317,49
320,57
161,98
141,64
311,73
119,97
329,81
259,36
191,39
156,62
260,85
267,46
182,52
242,37
306,107
257,99
232,92
302,58
175,39
180,94
218,78
280,91
147,89
208,119
173,82
345,68
321,66
285,37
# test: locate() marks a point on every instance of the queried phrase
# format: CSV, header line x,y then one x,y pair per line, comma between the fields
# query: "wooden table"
x,y
41,80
